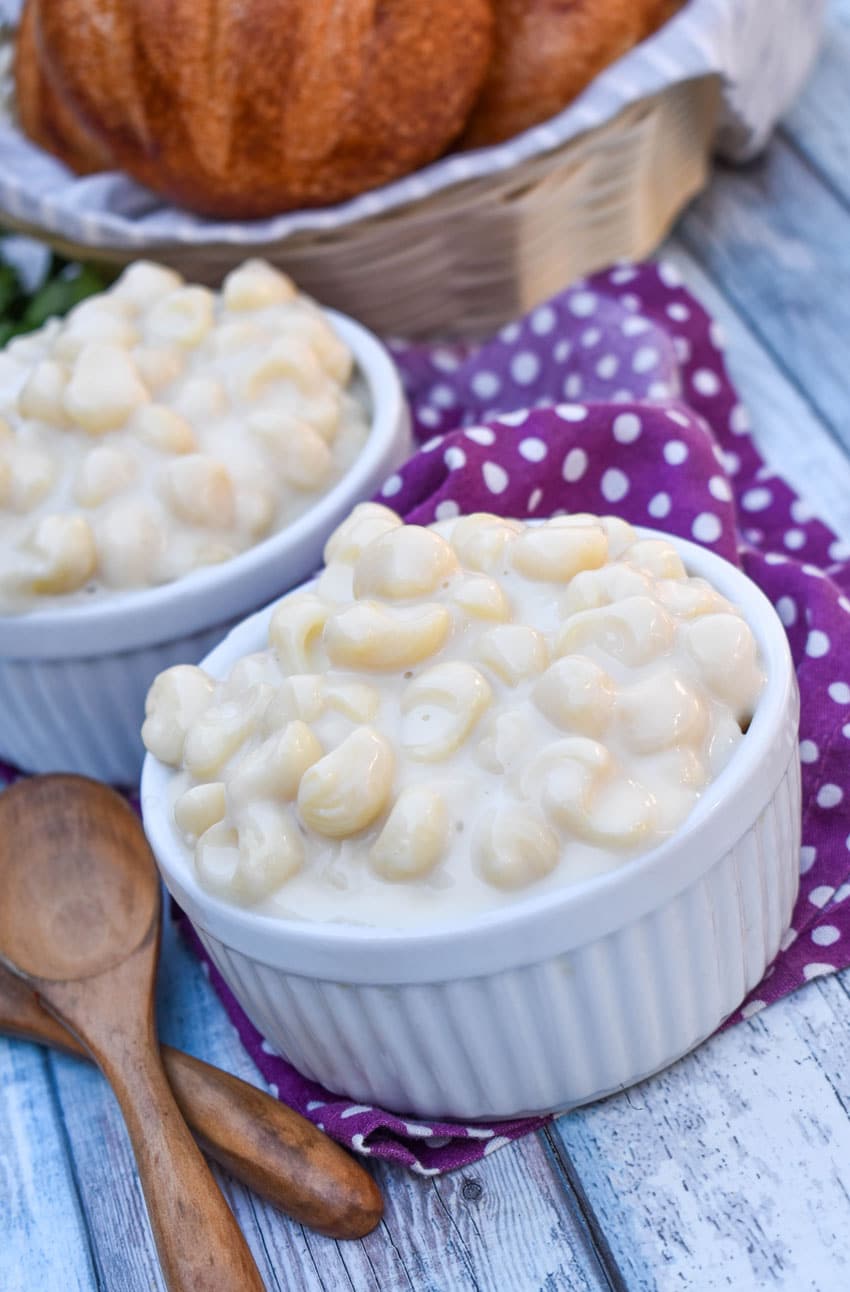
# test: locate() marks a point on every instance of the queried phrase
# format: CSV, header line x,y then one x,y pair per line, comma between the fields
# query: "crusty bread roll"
x,y
243,108
41,112
547,52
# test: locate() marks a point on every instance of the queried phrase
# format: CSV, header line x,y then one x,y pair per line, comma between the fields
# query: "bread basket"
x,y
479,237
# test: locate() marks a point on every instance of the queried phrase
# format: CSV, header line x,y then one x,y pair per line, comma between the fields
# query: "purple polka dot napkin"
x,y
613,397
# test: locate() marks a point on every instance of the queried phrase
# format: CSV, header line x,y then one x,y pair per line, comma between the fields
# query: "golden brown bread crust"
x,y
547,52
245,109
42,114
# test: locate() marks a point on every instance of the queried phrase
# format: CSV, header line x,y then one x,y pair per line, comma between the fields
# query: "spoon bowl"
x,y
80,923
81,890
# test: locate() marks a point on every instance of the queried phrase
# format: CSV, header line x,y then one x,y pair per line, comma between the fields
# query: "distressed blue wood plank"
x,y
774,240
43,1238
732,1169
790,435
817,123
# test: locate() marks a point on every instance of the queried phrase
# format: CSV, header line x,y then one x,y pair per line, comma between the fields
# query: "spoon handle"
x,y
270,1147
200,1245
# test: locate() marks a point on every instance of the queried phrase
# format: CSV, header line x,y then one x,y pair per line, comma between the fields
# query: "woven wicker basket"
x,y
465,260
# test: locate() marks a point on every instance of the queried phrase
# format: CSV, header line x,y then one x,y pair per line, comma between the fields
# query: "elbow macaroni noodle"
x,y
450,717
162,427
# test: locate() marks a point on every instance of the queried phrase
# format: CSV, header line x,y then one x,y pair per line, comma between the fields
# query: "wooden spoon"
x,y
270,1147
80,922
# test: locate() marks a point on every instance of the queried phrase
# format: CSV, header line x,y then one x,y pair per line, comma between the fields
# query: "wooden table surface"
x,y
729,1171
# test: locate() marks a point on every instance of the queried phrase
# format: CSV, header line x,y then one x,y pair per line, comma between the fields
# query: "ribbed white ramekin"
x,y
557,999
73,679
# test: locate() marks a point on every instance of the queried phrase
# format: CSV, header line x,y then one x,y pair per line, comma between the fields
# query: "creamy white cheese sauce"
x,y
452,717
161,427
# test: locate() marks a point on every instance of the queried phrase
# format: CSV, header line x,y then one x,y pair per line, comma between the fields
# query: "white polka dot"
x,y
417,1131
392,486
718,336
634,325
532,449
499,1141
789,937
428,416
786,608
754,535
562,351
682,348
776,558
840,692
844,603
659,390
575,465
801,511
630,301
354,1110
739,420
813,970
454,458
813,572
680,313
825,934
707,528
645,359
706,382
675,452
447,509
624,275
607,366
581,304
829,795
516,418
614,485
845,731
495,477
820,896
590,337
445,360
509,333
719,488
839,550
543,320
669,274
358,1143
807,859
756,499
659,506
524,367
795,539
480,435
752,1007
842,893
534,499
485,384
809,752
627,427
817,644
731,463
573,386
623,396
442,396
571,412
681,419
433,443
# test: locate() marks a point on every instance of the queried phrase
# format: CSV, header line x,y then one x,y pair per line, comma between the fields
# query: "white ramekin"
x,y
557,999
73,679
